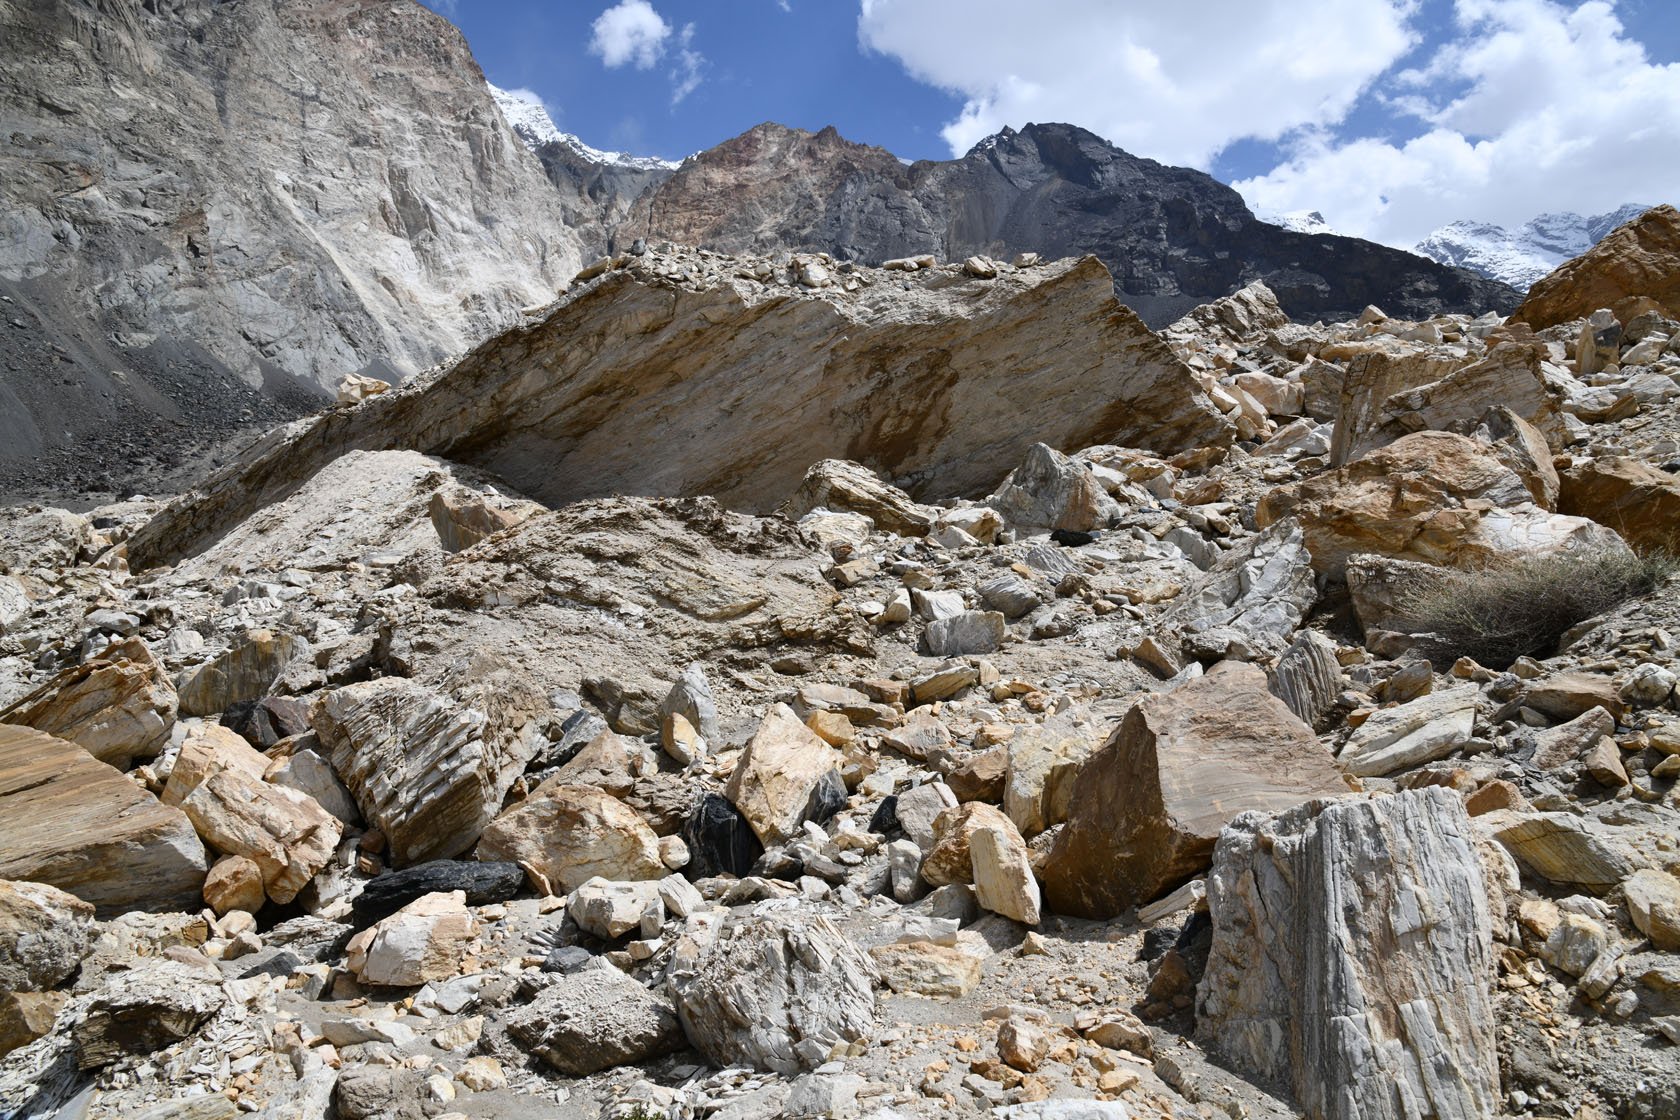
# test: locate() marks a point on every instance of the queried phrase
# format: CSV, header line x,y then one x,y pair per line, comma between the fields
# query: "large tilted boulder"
x,y
1634,498
782,994
784,777
141,1011
1353,959
1639,260
286,833
1238,316
118,707
422,942
572,833
908,383
244,672
1149,805
82,826
1431,496
44,934
417,763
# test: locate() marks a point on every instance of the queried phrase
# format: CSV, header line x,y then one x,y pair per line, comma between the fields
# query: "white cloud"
x,y
685,75
1549,108
630,31
1155,79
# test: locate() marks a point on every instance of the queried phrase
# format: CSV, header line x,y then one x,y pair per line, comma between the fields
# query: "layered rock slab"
x,y
907,382
1353,958
78,824
1148,806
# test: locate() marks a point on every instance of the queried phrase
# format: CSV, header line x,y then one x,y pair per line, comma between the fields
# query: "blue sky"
x,y
1390,117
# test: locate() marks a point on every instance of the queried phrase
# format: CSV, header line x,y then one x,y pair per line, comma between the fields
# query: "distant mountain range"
x,y
1521,256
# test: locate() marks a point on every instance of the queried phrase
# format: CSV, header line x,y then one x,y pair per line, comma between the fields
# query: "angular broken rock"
x,y
417,764
595,1019
1259,590
1639,260
916,392
1051,491
462,521
965,634
1148,806
783,994
235,883
922,968
1653,901
691,697
1044,759
156,1004
1634,498
839,484
1353,959
1419,731
1003,876
1307,676
82,826
208,749
286,833
572,833
44,935
610,910
950,859
118,707
244,672
781,772
422,942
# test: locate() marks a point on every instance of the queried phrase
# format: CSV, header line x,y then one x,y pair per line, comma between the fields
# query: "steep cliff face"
x,y
210,212
1172,236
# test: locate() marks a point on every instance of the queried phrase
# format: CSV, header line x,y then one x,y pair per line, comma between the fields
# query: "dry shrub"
x,y
1499,613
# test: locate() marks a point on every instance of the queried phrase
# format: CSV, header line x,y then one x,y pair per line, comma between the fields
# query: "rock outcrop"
x,y
1352,958
907,382
1638,262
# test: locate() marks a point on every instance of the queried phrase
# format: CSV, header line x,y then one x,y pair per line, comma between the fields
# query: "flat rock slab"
x,y
78,824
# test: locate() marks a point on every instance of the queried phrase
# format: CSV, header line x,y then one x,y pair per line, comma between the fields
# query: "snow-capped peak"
x,y
531,123
1301,221
1522,256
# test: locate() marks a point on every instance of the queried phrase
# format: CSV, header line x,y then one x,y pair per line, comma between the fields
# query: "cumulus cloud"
x,y
685,75
629,32
1552,109
1149,77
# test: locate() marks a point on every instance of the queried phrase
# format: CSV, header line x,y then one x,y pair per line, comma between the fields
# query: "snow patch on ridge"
x,y
1522,256
531,123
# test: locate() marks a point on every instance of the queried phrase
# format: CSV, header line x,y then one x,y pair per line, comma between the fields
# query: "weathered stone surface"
x,y
311,774
463,521
244,672
1044,759
422,942
1247,311
80,825
922,968
26,1016
43,935
479,883
533,406
1256,594
780,994
118,707
779,771
1653,901
1418,731
1562,848
1307,677
949,860
1381,586
1565,696
418,765
1640,259
965,634
210,749
1003,876
572,833
1051,491
610,910
34,537
919,809
596,1019
1634,498
1567,742
235,883
1509,378
1430,496
1353,959
285,832
143,1010
838,484
1148,806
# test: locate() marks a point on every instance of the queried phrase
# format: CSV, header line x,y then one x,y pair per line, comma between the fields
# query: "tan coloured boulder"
x,y
235,883
26,1016
1431,496
422,942
118,707
1244,313
1634,498
778,772
82,826
841,485
573,833
1564,696
1044,759
1003,876
1638,261
210,748
463,520
1149,805
922,968
949,860
244,672
1653,900
286,833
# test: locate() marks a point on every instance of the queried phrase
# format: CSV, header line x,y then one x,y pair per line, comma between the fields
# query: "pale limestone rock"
x,y
44,934
210,748
573,833
82,826
781,767
922,968
1044,759
309,773
596,1019
355,388
118,707
1148,806
1307,676
1022,1043
782,994
1419,731
1353,958
1562,848
1257,593
1653,900
610,910
838,484
919,808
287,834
1051,491
422,942
965,634
154,1005
1003,878
950,859
244,672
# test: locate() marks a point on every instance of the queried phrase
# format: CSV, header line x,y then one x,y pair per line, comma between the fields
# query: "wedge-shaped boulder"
x,y
1149,805
783,993
1634,498
596,1019
782,776
840,485
950,860
1353,958
1003,876
573,833
416,763
118,707
789,376
1051,491
244,672
462,520
143,1010
286,833
209,749
1411,734
1430,496
1637,262
80,825
1044,759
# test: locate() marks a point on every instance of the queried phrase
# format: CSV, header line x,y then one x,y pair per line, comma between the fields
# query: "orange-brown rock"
x,y
1149,805
1634,498
118,707
1639,261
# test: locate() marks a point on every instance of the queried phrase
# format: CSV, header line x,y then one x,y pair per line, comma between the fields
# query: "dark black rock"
x,y
719,839
265,722
779,864
1157,941
484,883
1071,538
885,820
827,798
281,963
568,959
